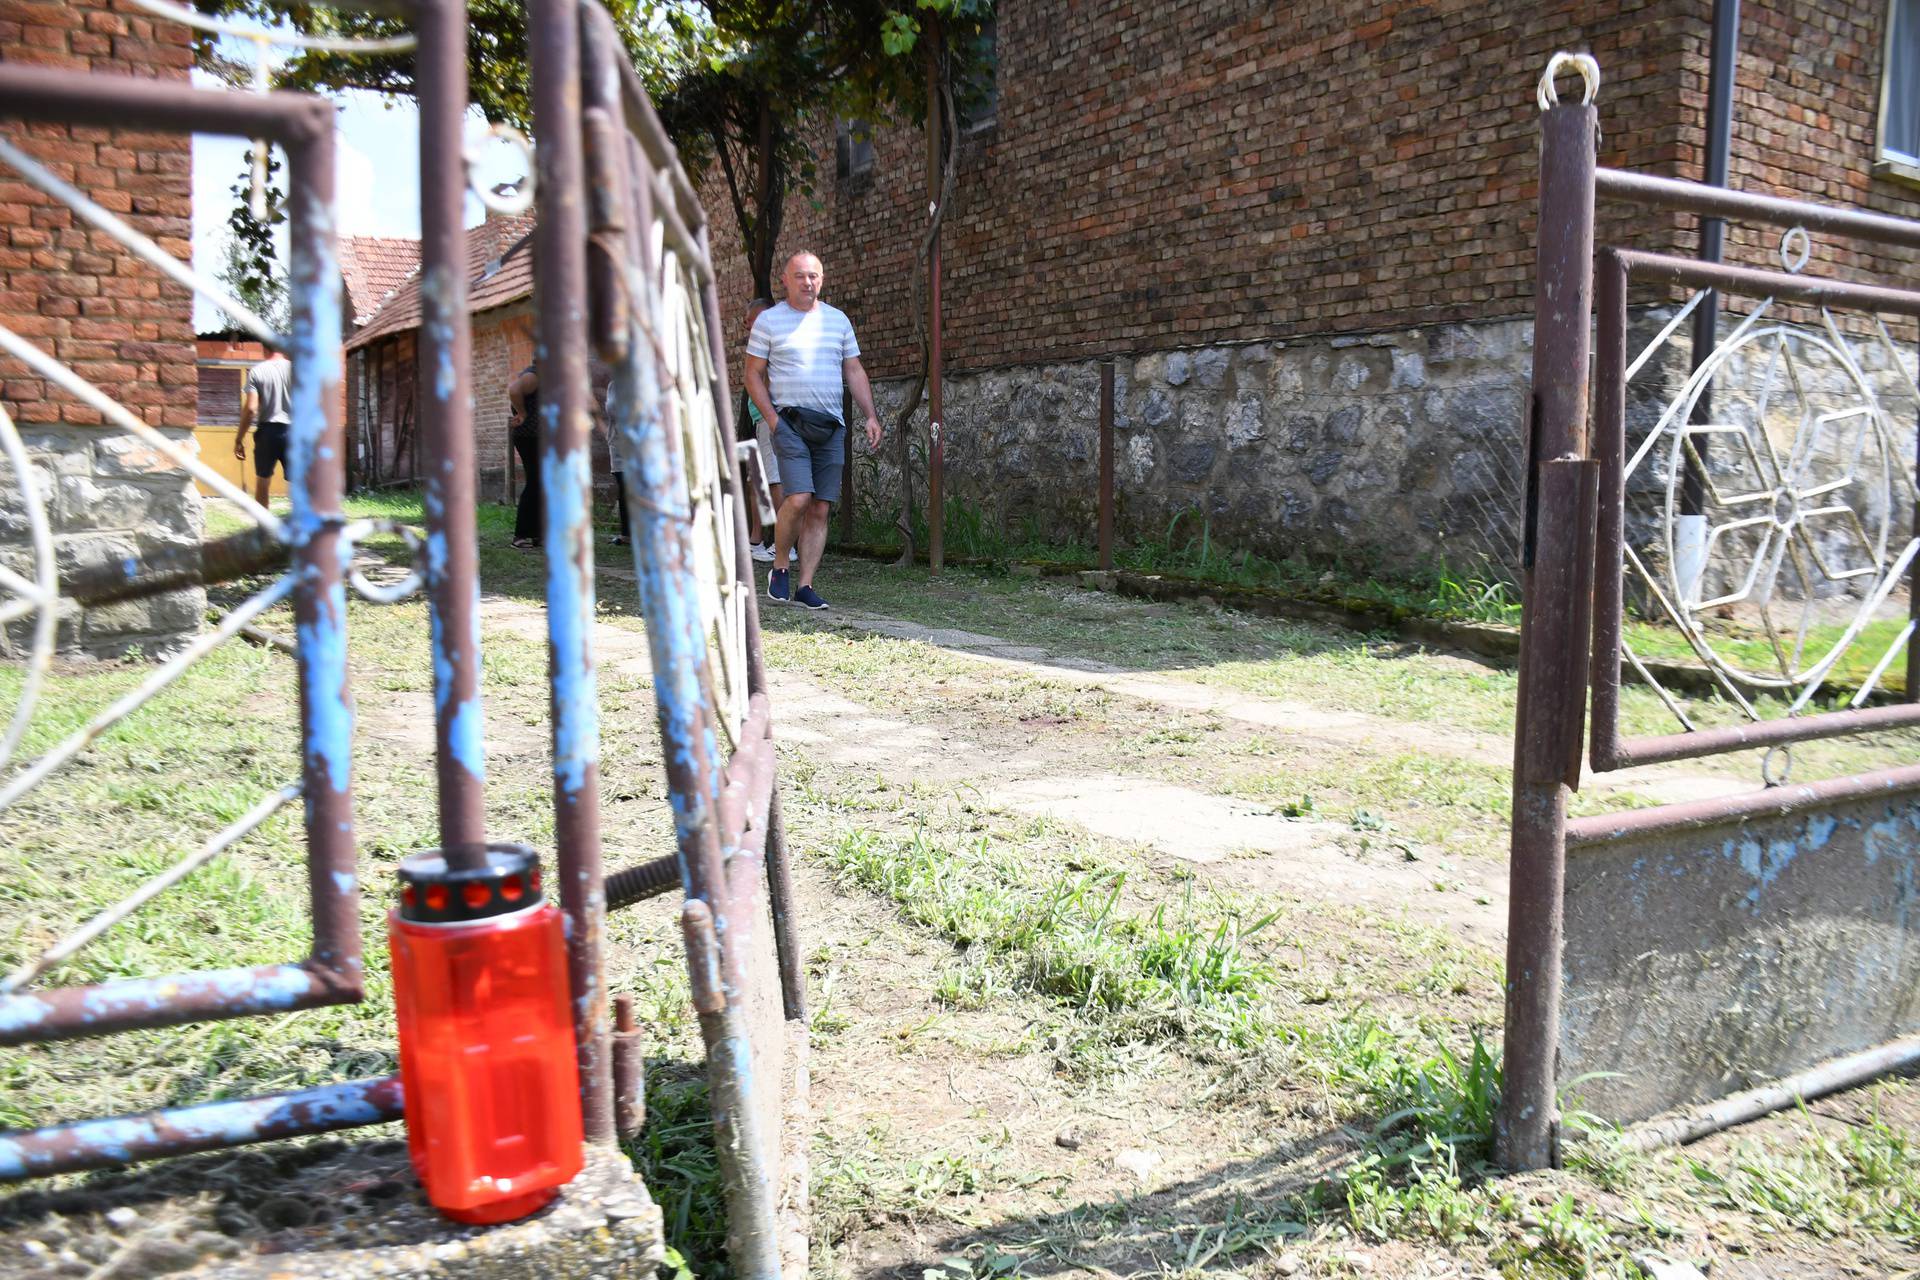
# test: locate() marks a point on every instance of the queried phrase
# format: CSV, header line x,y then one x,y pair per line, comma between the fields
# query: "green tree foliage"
x,y
497,71
250,263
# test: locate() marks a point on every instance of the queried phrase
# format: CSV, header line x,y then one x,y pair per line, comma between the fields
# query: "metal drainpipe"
x,y
1722,61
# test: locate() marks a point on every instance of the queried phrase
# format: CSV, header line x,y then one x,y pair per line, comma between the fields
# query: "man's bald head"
x,y
803,277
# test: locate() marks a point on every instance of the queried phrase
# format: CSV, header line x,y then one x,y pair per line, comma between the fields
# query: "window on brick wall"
x,y
852,148
1900,90
220,388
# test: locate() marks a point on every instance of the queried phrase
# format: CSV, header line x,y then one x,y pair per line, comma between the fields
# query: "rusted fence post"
x,y
936,428
1106,464
1561,488
560,352
446,427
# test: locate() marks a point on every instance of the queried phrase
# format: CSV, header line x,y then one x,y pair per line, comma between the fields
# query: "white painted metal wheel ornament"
x,y
29,600
708,461
1805,486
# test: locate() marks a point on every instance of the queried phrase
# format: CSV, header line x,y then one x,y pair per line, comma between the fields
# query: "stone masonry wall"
x,y
1392,449
1401,450
117,323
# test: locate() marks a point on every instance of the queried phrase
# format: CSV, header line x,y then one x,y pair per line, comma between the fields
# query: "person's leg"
x,y
620,494
529,515
778,497
791,518
269,449
813,540
827,469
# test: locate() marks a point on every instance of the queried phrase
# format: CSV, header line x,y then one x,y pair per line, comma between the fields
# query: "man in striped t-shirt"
x,y
797,355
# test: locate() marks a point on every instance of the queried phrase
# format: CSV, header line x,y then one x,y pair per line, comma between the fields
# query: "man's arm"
x,y
758,392
517,399
249,405
862,390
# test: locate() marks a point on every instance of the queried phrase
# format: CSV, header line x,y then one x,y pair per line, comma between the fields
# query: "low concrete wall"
x,y
1700,964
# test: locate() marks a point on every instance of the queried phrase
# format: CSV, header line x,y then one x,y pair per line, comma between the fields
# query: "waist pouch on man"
x,y
810,425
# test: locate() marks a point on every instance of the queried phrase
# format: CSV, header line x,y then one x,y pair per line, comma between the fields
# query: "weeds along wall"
x,y
113,320
1292,205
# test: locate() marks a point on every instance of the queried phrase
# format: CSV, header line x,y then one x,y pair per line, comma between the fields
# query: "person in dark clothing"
x,y
523,432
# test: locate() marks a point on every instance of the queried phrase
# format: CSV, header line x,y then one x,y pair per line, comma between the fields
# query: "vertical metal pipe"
x,y
1609,445
846,483
629,1071
446,433
1106,464
560,354
316,456
1526,1123
1722,63
1913,596
936,442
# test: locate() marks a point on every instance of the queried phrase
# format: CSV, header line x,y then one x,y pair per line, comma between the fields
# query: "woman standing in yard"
x,y
523,433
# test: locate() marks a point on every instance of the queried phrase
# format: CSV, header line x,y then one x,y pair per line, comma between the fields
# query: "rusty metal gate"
x,y
1683,954
618,222
621,229
314,543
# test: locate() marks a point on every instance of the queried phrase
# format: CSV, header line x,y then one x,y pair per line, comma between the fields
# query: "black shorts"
x,y
269,447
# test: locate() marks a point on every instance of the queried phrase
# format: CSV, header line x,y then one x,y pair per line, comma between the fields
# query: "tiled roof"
x,y
374,266
499,271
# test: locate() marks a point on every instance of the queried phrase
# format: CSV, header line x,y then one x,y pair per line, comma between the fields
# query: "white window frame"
x,y
1887,161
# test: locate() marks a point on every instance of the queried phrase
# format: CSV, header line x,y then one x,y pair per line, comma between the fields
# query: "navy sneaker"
x,y
808,597
777,589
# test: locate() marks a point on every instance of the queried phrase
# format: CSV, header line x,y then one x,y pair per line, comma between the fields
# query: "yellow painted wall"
x,y
216,451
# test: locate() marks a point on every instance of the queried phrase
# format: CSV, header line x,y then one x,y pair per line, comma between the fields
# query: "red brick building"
x,y
1305,232
382,370
111,319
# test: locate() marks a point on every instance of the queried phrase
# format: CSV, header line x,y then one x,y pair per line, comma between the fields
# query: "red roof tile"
x,y
374,266
499,271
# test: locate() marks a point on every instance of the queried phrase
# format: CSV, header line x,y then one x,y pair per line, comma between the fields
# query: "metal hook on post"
x,y
1549,97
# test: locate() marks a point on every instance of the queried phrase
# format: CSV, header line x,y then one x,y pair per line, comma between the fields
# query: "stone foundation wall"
x,y
1391,449
116,322
1395,451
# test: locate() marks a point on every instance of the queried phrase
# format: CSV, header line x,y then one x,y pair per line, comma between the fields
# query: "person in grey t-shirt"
x,y
797,356
269,402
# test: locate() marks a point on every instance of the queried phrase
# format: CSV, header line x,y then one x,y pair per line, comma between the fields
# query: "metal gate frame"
x,y
1573,610
619,225
320,542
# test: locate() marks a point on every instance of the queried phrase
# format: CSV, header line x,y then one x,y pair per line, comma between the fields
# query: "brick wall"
x,y
502,347
114,321
1166,175
1216,171
1805,123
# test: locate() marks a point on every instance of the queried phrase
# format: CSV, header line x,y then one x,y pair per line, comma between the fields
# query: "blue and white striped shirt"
x,y
803,351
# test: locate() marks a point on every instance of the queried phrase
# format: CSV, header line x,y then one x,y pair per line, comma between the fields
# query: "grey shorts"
x,y
811,468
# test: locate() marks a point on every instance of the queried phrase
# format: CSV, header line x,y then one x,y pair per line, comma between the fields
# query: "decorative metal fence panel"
x,y
1757,515
621,229
312,545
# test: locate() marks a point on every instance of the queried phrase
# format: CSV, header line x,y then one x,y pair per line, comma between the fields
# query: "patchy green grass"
x,y
1336,1067
1186,547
